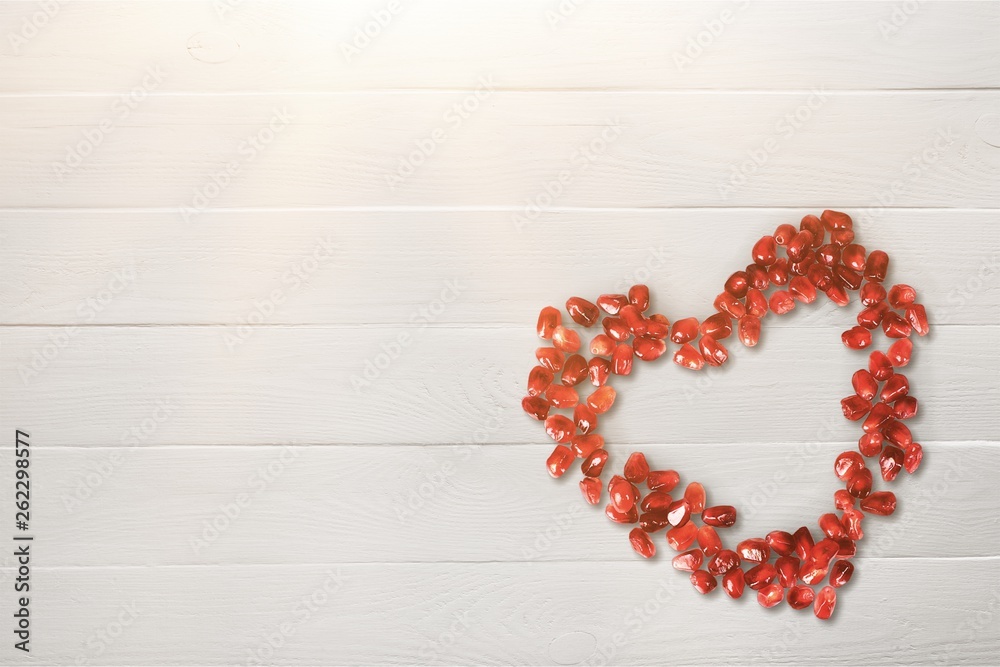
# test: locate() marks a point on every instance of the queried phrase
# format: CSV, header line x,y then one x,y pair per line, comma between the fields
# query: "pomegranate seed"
x,y
836,220
760,576
550,358
638,296
713,351
860,485
828,255
652,522
560,428
824,551
782,302
582,311
709,541
633,319
703,582
788,570
539,379
765,251
548,319
689,561
599,371
565,339
756,303
901,296
612,303
602,345
857,338
855,407
663,480
831,526
737,285
838,295
842,237
878,416
694,494
591,488
916,315
870,444
853,257
616,328
897,433
562,397
781,542
602,399
593,465
770,596
895,387
559,460
684,330
799,245
800,597
852,521
585,418
733,583
574,371
631,516
820,276
636,468
871,318
729,304
623,494
690,358
802,289
825,602
681,538
723,562
895,326
757,277
717,326
777,273
803,542
847,464
842,500
872,294
904,408
648,349
882,503
722,516
784,233
657,329
749,330
621,360
900,352
847,547
679,513
878,266
864,384
912,456
658,502
536,406
642,543
840,573
585,445
754,549
879,366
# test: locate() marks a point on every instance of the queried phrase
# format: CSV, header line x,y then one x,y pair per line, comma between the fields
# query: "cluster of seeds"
x,y
810,264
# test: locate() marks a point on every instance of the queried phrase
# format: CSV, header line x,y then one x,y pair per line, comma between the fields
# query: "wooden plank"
x,y
524,150
502,613
240,45
236,266
233,505
308,385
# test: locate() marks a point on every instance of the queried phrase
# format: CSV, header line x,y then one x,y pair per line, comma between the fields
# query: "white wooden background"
x,y
410,520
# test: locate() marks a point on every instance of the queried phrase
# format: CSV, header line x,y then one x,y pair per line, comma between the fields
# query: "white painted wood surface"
x,y
186,369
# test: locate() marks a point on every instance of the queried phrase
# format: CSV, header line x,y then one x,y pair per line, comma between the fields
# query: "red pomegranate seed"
x,y
882,503
788,570
902,295
694,494
912,456
550,358
756,303
585,445
722,516
777,273
709,541
754,549
631,516
802,289
623,494
681,538
733,583
574,371
757,277
582,311
872,294
585,418
599,371
860,485
897,433
820,276
602,345
684,330
830,524
765,251
749,330
658,330
800,597
857,338
663,480
852,521
828,255
824,551
560,428
713,351
633,319
679,513
855,407
895,326
825,602
729,304
842,500
536,406
916,315
636,468
838,295
648,349
602,399
803,542
612,303
652,522
559,460
689,561
760,576
562,397
621,360
784,233
871,318
690,358
879,415
878,266
842,237
616,329
539,379
717,326
565,339
836,220
638,296
864,384
782,302
780,542
642,543
770,596
703,582
723,562
904,408
870,444
840,573
799,245
850,278
593,465
548,319
847,547
847,464
658,502
737,285
591,488
853,257
900,352
879,366
895,387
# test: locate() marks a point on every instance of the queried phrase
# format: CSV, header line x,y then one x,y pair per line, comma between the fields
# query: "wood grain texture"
x,y
927,611
515,149
310,45
376,267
